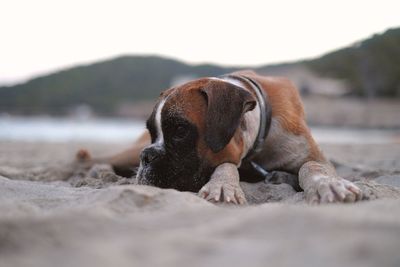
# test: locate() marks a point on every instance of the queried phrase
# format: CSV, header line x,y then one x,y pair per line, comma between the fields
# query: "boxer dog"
x,y
202,134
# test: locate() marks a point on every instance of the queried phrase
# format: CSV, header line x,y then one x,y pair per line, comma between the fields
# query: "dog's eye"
x,y
180,133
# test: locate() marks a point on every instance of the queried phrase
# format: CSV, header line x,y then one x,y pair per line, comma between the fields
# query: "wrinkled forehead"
x,y
186,101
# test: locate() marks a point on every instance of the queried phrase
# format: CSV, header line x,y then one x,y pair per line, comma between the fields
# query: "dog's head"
x,y
194,128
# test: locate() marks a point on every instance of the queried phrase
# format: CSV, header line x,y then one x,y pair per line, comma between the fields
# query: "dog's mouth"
x,y
179,179
150,176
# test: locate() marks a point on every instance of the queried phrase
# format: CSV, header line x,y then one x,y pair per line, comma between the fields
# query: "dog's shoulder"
x,y
284,99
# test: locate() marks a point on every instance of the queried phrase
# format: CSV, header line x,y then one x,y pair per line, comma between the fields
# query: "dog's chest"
x,y
282,150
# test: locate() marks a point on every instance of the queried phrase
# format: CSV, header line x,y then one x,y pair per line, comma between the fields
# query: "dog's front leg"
x,y
224,186
321,184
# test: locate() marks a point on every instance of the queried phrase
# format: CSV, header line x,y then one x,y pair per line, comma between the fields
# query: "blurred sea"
x,y
68,129
123,130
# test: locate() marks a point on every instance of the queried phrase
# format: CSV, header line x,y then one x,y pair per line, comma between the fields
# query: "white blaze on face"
x,y
160,136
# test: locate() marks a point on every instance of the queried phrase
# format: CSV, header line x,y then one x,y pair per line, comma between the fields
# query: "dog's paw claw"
x,y
330,190
223,193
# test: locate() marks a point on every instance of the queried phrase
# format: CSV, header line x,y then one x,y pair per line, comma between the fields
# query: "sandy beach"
x,y
223,89
52,215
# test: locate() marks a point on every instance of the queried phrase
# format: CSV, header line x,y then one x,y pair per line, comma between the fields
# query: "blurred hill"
x,y
102,86
368,68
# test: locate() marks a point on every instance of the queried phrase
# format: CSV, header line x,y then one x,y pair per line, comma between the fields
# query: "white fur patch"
x,y
229,80
252,121
160,136
234,82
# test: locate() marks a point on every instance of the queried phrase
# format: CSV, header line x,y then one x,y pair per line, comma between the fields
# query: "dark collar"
x,y
265,113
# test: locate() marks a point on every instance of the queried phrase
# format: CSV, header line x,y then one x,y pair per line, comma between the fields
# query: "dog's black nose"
x,y
150,154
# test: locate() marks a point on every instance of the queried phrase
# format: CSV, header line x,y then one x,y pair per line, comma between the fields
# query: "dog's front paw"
x,y
329,190
218,191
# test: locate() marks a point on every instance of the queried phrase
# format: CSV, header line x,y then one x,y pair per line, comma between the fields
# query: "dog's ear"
x,y
226,103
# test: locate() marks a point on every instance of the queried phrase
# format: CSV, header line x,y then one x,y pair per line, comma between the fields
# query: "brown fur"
x,y
286,107
289,145
195,111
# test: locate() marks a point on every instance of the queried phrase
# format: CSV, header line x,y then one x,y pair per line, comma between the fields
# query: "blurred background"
x,y
85,74
91,70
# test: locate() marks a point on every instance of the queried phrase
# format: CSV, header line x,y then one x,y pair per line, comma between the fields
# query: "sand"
x,y
52,215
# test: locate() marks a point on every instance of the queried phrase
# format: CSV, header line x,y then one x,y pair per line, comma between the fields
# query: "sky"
x,y
42,36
